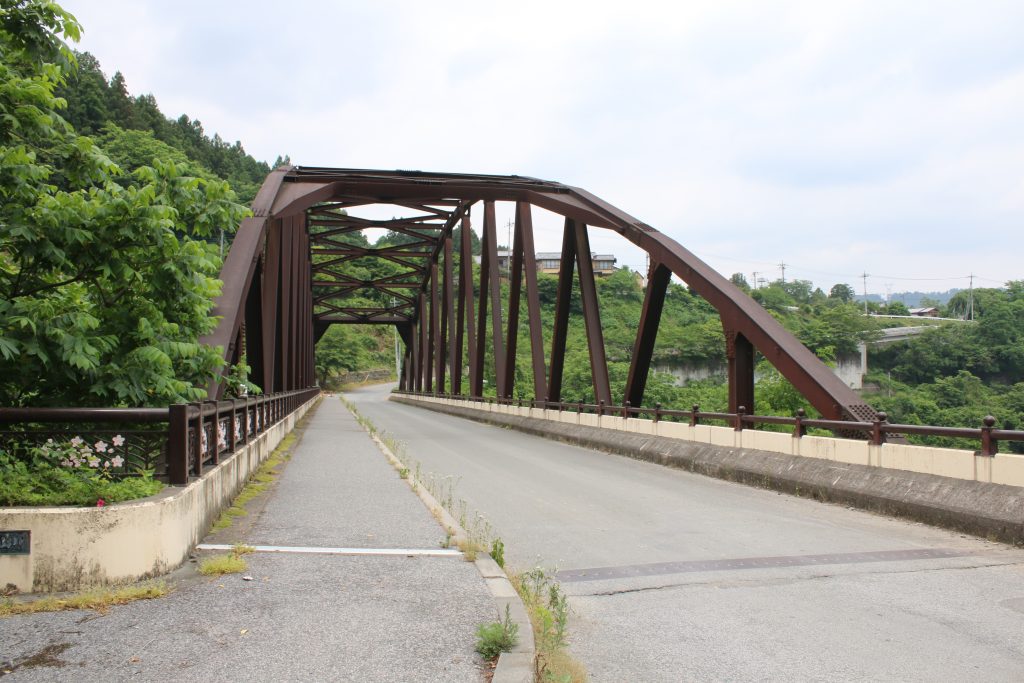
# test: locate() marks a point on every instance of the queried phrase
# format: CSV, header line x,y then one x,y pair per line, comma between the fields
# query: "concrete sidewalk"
x,y
302,617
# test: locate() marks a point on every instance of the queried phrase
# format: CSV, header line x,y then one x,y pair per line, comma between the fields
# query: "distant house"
x,y
504,260
550,262
929,312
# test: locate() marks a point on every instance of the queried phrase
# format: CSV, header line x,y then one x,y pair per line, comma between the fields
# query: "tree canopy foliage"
x,y
106,277
105,108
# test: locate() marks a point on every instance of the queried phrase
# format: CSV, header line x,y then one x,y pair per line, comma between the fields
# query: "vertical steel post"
x,y
643,348
592,317
476,370
515,285
436,349
562,302
494,282
271,295
464,317
422,368
430,324
740,354
524,222
284,321
254,327
448,319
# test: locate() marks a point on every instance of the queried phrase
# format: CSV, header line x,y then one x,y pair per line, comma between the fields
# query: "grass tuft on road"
x,y
99,600
217,565
548,608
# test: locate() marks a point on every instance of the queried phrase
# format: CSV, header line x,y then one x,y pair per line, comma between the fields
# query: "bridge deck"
x,y
304,616
675,576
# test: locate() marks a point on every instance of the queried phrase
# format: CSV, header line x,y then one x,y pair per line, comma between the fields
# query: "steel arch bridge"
x,y
286,281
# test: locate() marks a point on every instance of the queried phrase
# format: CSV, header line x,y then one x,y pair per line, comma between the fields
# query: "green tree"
x,y
841,292
104,289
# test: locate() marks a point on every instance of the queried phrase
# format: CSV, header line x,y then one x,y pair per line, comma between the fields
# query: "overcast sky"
x,y
837,137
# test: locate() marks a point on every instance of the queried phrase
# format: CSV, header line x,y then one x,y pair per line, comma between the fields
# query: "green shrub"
x,y
496,637
42,483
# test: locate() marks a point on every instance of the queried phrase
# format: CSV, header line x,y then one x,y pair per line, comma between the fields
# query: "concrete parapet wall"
x,y
75,547
947,487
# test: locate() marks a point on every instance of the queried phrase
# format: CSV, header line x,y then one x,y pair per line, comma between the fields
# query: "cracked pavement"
x,y
709,580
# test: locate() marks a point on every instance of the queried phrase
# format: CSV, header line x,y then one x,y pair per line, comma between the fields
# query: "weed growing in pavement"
x,y
498,552
99,600
496,637
260,481
478,531
222,564
548,608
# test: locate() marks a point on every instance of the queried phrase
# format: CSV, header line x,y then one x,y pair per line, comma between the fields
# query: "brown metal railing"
x,y
177,442
876,431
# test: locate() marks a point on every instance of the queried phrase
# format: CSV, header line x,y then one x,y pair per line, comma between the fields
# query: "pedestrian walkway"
x,y
303,616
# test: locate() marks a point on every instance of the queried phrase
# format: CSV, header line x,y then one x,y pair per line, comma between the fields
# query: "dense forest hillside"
x,y
133,131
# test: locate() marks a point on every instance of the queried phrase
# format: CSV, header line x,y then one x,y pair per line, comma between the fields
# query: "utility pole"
x,y
782,267
970,306
754,281
865,276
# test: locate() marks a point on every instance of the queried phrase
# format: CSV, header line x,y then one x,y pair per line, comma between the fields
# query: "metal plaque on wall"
x,y
14,542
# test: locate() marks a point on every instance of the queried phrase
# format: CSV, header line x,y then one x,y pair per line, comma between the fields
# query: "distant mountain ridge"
x,y
913,299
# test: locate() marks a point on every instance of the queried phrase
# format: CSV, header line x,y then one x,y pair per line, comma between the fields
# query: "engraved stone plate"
x,y
14,542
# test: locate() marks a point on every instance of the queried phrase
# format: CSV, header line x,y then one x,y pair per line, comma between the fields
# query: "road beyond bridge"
x,y
674,576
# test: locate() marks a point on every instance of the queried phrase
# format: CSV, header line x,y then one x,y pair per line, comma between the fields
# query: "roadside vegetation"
x,y
546,604
99,600
259,482
548,608
497,636
229,563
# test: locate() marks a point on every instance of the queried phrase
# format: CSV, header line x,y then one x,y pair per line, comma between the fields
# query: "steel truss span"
x,y
287,278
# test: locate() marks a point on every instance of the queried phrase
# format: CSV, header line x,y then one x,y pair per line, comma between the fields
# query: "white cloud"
x,y
838,136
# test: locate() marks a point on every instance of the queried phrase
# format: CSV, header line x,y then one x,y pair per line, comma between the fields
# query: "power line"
x,y
789,266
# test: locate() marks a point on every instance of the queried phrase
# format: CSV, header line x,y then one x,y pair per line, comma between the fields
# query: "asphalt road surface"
x,y
678,577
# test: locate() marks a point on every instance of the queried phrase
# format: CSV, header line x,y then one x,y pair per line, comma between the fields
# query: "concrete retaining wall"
x,y
73,548
952,488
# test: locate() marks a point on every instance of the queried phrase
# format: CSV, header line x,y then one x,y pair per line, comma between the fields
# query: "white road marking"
x,y
307,550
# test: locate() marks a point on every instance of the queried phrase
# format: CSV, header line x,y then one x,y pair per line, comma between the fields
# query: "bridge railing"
x,y
176,443
876,432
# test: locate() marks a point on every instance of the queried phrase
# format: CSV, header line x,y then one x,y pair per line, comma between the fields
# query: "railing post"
x,y
738,420
232,436
989,446
877,435
600,408
245,419
625,410
693,414
657,413
215,432
798,427
177,445
197,439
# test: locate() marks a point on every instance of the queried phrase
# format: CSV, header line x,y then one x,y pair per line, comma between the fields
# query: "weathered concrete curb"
x,y
516,666
81,547
994,511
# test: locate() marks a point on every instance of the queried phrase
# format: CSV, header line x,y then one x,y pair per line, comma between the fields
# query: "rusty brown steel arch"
x,y
285,283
